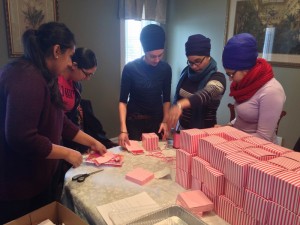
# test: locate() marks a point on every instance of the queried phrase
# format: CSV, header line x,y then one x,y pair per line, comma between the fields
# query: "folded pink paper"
x,y
139,176
134,147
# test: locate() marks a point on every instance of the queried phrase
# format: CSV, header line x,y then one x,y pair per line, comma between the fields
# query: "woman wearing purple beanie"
x,y
259,97
200,88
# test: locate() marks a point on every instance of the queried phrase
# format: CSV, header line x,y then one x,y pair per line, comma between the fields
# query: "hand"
x,y
164,130
98,147
174,114
74,157
123,139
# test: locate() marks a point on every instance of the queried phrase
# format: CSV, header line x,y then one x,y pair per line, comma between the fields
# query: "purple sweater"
x,y
259,115
30,123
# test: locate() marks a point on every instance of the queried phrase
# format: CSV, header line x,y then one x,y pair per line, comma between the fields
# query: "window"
x,y
131,47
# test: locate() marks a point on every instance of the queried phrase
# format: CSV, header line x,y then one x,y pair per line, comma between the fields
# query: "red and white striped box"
x,y
198,167
286,163
183,160
195,200
287,190
189,139
196,184
292,155
260,153
206,145
236,168
214,181
176,140
211,196
281,215
227,132
241,144
226,209
256,206
183,178
234,193
297,220
243,218
256,141
150,141
219,152
276,149
261,178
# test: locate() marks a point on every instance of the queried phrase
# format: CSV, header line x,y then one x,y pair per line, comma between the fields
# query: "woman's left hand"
x,y
164,130
174,114
98,147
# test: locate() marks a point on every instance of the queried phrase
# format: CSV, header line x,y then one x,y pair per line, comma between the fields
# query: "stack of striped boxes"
x,y
150,141
250,181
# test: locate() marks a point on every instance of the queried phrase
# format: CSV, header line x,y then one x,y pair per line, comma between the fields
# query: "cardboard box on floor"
x,y
55,211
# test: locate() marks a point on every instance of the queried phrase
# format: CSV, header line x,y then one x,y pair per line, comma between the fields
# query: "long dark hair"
x,y
85,58
38,45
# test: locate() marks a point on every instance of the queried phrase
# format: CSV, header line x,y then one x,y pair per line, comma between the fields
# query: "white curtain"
x,y
155,10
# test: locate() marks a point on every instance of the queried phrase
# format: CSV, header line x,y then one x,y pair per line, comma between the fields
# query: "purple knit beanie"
x,y
197,44
240,52
152,37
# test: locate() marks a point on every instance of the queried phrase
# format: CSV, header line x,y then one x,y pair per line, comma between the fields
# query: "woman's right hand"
x,y
74,157
123,139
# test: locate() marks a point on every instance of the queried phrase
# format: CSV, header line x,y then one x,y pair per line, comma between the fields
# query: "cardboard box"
x,y
54,211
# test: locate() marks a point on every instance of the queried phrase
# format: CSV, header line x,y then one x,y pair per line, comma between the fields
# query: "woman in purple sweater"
x,y
33,122
259,97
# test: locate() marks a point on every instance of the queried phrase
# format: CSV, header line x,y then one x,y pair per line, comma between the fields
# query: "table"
x,y
110,185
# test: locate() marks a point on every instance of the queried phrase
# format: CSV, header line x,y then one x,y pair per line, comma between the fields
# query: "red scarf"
x,y
260,74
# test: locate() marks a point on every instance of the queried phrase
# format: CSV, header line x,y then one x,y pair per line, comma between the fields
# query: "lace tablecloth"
x,y
110,185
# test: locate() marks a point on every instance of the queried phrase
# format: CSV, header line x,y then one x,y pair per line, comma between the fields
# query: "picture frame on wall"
x,y
21,15
274,23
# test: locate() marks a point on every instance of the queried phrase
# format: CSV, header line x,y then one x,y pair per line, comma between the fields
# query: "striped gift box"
x,y
286,163
189,139
236,168
196,184
287,190
256,141
281,215
183,178
276,149
211,196
241,144
261,178
206,145
242,218
260,153
292,155
234,193
219,152
226,209
214,181
198,168
183,160
220,131
150,141
256,206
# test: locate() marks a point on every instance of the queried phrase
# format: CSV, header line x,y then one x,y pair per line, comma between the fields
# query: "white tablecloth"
x,y
110,185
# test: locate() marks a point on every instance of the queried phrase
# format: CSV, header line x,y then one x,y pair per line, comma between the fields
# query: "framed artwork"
x,y
21,15
274,23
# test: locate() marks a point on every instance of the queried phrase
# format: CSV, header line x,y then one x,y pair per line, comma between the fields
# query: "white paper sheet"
x,y
122,211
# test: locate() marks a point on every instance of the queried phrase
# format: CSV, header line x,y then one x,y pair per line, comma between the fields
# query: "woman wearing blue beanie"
x,y
200,88
259,97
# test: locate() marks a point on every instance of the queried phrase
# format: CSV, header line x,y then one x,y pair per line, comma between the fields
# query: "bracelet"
x,y
179,105
123,132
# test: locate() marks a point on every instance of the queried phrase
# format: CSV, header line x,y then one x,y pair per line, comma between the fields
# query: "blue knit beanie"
x,y
152,37
240,52
197,44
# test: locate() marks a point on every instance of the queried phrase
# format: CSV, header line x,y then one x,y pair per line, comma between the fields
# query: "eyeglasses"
x,y
231,75
87,75
195,63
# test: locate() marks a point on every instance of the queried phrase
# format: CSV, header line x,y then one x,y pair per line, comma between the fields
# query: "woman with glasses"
x,y
33,121
259,97
200,88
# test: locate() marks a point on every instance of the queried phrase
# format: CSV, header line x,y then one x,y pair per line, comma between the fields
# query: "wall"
x,y
96,26
208,18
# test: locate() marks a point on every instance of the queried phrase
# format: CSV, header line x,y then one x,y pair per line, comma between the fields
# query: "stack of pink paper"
x,y
195,201
150,141
134,147
139,176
